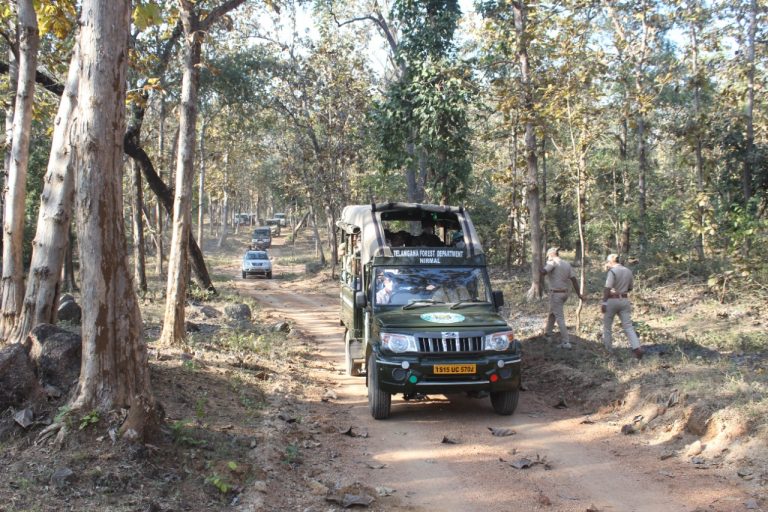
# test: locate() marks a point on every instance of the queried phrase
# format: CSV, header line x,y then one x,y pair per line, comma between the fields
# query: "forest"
x,y
139,133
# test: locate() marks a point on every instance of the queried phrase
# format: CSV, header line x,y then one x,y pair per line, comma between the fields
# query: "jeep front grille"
x,y
451,344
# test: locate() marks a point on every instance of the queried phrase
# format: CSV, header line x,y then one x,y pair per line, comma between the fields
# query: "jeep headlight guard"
x,y
398,343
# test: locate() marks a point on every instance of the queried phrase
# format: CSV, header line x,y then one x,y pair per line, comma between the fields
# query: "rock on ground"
x,y
238,311
17,376
70,312
56,353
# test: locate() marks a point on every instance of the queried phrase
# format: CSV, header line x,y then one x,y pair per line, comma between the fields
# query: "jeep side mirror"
x,y
360,300
498,298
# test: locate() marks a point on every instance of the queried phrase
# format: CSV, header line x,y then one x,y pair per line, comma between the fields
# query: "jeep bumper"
x,y
416,374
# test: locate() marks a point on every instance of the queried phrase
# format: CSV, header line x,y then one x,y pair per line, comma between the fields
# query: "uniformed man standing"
x,y
618,284
560,276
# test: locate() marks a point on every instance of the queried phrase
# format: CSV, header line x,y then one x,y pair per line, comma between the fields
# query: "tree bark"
x,y
580,200
12,282
201,187
330,222
159,247
642,161
13,78
318,242
51,245
69,283
114,373
698,143
224,204
173,324
140,273
749,157
520,10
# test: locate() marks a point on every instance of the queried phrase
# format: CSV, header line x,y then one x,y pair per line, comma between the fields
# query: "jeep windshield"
x,y
417,286
261,233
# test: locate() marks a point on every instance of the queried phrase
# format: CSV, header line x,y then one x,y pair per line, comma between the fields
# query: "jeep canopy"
x,y
368,220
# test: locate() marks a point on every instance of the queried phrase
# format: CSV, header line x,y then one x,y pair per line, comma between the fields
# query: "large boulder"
x,y
238,311
17,376
56,354
70,311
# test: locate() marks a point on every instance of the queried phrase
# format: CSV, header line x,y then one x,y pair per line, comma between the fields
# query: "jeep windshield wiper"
x,y
420,303
465,302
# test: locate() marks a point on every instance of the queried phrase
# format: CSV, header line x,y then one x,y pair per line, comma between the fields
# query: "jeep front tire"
x,y
379,402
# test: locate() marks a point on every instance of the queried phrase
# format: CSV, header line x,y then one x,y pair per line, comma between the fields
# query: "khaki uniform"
x,y
619,280
560,274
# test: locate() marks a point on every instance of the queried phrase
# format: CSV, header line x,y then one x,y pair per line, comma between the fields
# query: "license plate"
x,y
454,369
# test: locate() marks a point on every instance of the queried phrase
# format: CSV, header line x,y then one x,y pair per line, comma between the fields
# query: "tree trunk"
x,y
642,160
173,324
580,200
316,232
224,220
749,157
12,282
114,373
224,204
159,247
201,188
299,225
698,148
13,78
70,284
513,193
520,10
211,217
51,245
330,222
140,273
626,228
544,233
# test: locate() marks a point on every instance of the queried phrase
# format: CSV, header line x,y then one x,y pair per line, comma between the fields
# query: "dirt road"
x,y
577,465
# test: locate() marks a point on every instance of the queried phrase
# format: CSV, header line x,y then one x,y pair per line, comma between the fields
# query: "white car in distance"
x,y
257,263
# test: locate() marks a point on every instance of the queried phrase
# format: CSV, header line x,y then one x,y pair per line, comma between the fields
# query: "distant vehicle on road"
x,y
261,238
282,218
244,219
274,226
257,263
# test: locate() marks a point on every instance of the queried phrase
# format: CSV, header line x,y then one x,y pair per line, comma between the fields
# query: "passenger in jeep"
x,y
384,295
428,238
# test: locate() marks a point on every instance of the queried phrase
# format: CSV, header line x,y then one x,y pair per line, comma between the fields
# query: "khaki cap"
x,y
552,250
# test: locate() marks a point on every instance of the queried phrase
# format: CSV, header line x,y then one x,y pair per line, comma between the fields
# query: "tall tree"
x,y
114,373
195,28
12,282
51,243
422,124
511,33
749,106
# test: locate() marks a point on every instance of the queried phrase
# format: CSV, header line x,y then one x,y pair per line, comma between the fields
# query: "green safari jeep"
x,y
422,319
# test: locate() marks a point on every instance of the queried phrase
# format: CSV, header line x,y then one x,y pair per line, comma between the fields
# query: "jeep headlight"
x,y
499,341
398,342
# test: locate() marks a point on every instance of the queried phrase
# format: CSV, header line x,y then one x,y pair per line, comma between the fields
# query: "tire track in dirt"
x,y
586,465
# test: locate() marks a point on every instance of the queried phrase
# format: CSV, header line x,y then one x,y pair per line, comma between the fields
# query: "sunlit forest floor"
x,y
702,387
